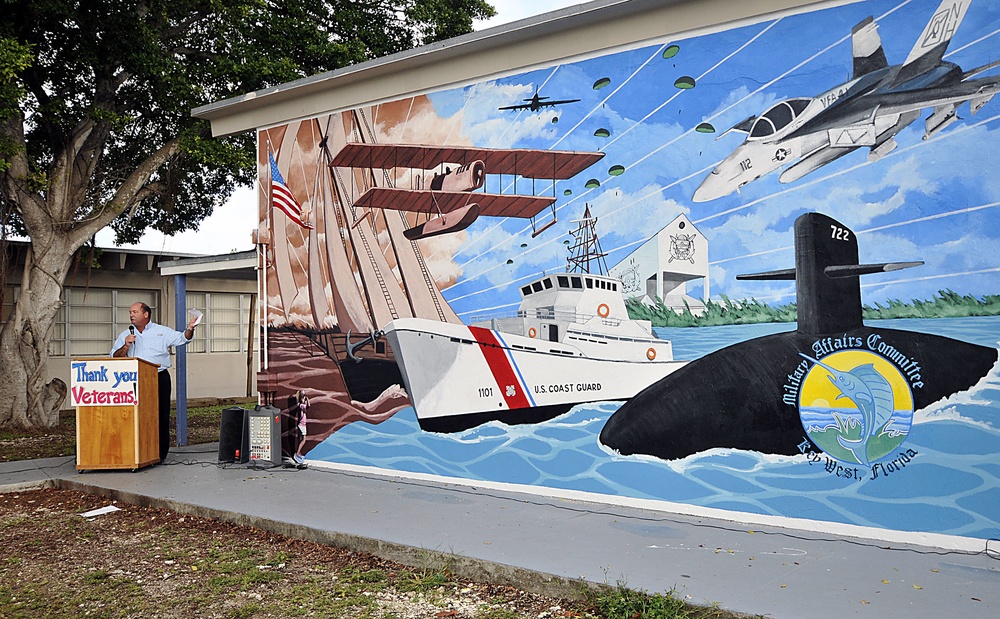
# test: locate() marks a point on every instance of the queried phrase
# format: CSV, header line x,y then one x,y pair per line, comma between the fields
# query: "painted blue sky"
x,y
936,200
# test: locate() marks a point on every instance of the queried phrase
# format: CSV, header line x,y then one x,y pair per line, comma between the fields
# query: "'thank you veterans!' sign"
x,y
104,382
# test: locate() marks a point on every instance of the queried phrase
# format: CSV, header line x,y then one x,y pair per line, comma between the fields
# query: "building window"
x,y
196,301
224,327
226,332
91,318
91,328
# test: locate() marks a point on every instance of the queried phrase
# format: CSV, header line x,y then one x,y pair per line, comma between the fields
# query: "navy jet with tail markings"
x,y
867,112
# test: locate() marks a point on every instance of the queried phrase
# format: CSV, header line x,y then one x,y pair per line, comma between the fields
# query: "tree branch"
x,y
193,53
150,190
29,204
128,193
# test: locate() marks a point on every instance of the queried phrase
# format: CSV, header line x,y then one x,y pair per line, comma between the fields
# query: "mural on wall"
x,y
496,284
780,399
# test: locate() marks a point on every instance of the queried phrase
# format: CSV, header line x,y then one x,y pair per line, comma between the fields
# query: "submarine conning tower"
x,y
827,275
825,304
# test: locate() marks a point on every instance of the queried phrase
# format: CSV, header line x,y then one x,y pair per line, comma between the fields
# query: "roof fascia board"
x,y
212,264
579,31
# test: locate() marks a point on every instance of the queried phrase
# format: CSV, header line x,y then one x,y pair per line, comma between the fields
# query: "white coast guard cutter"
x,y
571,341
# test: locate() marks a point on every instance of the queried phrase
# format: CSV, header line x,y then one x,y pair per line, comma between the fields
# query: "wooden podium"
x,y
117,413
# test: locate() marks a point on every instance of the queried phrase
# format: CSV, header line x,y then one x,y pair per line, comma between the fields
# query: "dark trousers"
x,y
164,393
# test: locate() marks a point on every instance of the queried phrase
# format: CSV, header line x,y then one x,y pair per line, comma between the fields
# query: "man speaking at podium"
x,y
151,342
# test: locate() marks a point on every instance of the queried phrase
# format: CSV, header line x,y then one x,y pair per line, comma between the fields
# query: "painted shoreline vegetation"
x,y
944,304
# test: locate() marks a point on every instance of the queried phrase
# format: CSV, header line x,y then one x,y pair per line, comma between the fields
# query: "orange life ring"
x,y
651,354
532,332
603,310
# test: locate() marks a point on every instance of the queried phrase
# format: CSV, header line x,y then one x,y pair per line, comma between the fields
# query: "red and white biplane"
x,y
451,199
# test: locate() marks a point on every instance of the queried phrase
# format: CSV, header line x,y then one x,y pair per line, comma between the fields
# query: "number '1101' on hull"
x,y
532,366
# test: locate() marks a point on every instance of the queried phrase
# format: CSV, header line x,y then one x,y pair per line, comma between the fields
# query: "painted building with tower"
x,y
663,265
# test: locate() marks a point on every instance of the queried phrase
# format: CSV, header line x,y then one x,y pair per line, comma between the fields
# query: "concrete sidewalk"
x,y
544,544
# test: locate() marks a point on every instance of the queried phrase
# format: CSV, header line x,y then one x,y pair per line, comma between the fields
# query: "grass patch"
x,y
489,612
421,581
201,567
620,602
204,418
240,570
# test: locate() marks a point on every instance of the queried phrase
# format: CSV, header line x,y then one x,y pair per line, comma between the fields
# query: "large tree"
x,y
95,126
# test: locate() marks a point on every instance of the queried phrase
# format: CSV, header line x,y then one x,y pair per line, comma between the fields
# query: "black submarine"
x,y
737,397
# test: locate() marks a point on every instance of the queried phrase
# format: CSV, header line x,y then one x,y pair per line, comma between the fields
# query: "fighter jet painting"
x,y
866,112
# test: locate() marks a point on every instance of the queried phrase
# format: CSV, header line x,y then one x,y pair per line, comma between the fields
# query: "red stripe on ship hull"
x,y
500,366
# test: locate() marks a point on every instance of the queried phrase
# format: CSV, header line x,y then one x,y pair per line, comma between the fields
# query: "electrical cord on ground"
x,y
244,466
41,468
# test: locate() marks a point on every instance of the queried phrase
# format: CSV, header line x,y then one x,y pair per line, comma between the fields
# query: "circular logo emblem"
x,y
856,406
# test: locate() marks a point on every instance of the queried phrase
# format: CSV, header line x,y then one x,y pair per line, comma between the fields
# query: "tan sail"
x,y
350,307
314,213
274,305
386,299
424,298
289,242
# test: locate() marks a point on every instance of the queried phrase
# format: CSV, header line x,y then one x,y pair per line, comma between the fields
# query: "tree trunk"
x,y
26,399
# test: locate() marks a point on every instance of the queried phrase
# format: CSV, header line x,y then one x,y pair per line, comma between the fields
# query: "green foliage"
x,y
945,304
15,57
126,76
437,20
488,612
90,256
727,312
624,603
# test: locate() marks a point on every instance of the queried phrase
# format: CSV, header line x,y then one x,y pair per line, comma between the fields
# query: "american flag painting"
x,y
281,196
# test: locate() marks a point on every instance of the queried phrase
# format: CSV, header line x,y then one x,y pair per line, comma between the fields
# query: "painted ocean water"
x,y
948,482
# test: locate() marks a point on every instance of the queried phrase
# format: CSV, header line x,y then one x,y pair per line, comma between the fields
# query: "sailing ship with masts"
x,y
355,265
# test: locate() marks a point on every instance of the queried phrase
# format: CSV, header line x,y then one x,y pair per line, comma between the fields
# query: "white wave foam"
x,y
950,413
977,395
697,461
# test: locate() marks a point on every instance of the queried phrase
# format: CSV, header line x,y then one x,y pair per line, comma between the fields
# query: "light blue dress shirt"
x,y
153,344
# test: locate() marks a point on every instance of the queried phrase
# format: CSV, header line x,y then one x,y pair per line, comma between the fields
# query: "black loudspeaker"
x,y
234,435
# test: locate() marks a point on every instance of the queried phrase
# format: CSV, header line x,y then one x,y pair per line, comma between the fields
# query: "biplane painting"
x,y
753,270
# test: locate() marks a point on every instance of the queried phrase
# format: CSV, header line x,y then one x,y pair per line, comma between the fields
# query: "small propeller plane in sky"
x,y
536,103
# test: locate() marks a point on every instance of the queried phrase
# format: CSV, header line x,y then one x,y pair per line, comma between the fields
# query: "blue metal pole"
x,y
180,313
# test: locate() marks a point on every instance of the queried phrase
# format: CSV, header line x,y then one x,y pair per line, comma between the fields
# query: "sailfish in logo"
x,y
871,393
736,398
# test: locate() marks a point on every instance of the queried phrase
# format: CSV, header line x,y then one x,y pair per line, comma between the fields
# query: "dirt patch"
x,y
141,562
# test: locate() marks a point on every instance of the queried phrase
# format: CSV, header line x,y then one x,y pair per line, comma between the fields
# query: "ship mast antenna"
x,y
586,247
